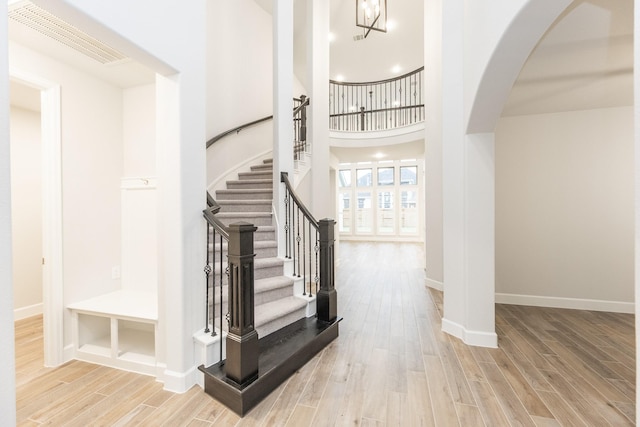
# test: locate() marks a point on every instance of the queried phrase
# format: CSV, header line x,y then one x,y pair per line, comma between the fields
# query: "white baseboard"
x,y
435,284
180,382
475,338
29,311
68,353
571,303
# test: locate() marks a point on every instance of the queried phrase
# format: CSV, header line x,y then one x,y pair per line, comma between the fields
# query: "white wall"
x,y
7,354
26,211
170,39
91,113
139,198
139,131
239,60
564,209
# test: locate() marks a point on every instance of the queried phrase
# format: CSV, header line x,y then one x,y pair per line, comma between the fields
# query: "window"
x,y
344,178
364,218
408,175
379,199
344,213
364,177
385,176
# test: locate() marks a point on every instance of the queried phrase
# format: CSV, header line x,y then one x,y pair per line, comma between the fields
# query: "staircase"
x,y
249,199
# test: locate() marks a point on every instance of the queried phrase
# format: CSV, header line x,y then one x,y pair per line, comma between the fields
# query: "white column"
x,y
480,240
468,211
171,299
433,142
282,107
181,168
318,115
7,356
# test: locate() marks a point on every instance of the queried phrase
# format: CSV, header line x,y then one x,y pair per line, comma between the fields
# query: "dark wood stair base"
x,y
281,354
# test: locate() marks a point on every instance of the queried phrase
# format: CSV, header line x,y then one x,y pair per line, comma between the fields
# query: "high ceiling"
x,y
584,61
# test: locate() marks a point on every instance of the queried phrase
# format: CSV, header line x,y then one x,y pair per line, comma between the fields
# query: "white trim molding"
x,y
434,284
26,312
180,382
571,303
475,338
52,232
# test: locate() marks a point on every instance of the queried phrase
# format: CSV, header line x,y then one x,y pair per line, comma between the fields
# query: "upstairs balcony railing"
x,y
374,106
300,145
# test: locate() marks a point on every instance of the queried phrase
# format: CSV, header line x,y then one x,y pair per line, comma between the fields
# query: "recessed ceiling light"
x,y
332,37
379,155
340,78
396,69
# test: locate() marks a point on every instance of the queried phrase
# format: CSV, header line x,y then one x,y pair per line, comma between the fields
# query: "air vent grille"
x,y
51,26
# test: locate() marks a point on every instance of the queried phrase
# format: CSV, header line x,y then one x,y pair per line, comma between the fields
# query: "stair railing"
x,y
300,146
309,243
214,270
242,339
379,105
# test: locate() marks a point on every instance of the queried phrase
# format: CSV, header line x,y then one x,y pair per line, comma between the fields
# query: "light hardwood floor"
x,y
391,366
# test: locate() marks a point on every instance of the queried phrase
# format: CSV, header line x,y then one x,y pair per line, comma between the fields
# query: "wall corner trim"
x,y
180,382
469,337
434,284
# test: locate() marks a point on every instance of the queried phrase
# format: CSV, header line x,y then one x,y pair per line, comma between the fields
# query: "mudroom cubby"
x,y
117,329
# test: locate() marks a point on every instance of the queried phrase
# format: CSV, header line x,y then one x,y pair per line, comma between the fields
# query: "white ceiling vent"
x,y
40,20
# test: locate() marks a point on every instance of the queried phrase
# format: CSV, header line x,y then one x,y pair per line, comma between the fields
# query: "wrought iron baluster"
x,y
286,224
221,304
310,260
298,240
207,272
317,249
304,257
293,237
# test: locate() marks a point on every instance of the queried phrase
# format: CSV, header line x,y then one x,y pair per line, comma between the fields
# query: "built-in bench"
x,y
118,329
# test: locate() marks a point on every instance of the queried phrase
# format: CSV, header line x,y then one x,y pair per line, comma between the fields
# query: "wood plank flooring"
x,y
391,366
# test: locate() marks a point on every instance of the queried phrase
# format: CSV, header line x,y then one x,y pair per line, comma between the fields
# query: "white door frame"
x,y
52,272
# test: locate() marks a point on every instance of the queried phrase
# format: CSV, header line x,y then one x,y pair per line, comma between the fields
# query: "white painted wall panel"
x,y
564,205
26,210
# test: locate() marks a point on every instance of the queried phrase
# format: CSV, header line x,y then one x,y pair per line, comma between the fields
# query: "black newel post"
x,y
303,120
327,302
242,339
361,118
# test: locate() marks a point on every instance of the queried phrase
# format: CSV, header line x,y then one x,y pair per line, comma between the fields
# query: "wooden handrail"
x,y
377,82
382,110
284,177
236,129
303,99
210,216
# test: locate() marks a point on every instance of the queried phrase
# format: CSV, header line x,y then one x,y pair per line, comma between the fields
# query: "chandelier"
x,y
371,15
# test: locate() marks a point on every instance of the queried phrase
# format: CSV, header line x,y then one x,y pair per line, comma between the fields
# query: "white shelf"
x,y
118,329
135,305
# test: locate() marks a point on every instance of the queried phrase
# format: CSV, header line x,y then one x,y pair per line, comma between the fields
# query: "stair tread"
x,y
270,311
223,214
245,190
260,285
244,202
275,282
250,181
267,262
